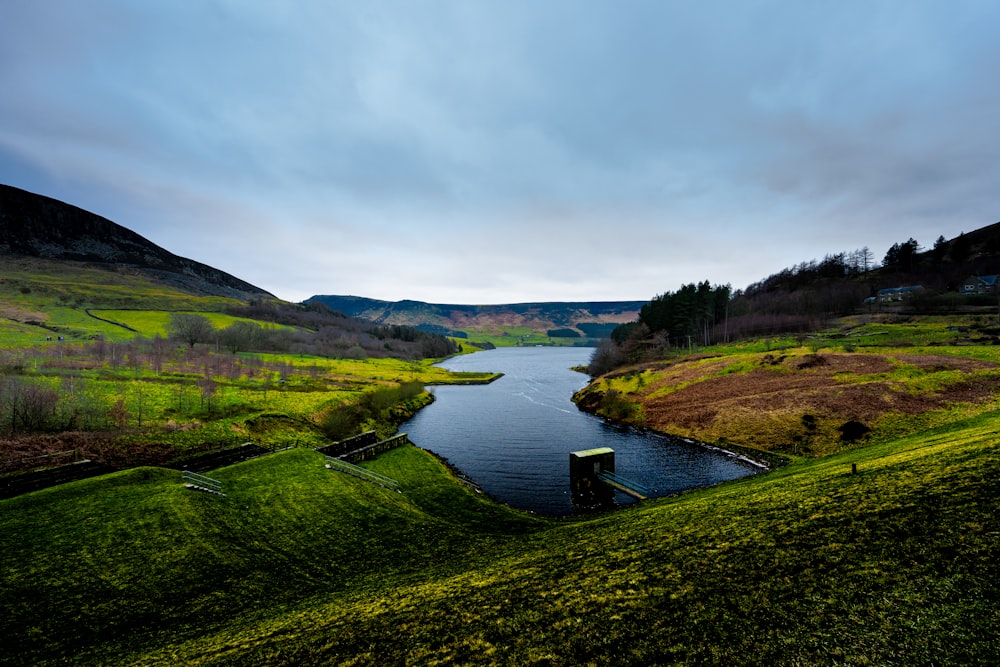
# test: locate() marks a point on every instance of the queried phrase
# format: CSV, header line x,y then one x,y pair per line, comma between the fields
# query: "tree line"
x,y
310,329
799,299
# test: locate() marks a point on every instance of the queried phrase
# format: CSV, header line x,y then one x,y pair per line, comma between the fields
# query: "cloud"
x,y
510,151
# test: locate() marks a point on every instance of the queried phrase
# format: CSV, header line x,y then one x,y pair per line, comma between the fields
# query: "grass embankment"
x,y
897,564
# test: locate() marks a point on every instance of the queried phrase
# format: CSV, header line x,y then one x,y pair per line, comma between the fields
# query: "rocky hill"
x,y
33,225
593,319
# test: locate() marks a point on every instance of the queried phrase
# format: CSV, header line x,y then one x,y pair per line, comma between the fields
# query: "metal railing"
x,y
626,486
195,481
362,473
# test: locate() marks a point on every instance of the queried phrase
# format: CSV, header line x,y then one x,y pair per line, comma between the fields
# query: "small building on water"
x,y
584,468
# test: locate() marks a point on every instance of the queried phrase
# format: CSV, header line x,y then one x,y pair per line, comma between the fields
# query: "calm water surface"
x,y
513,437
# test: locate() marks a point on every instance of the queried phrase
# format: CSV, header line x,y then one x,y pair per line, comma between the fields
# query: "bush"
x,y
376,406
852,431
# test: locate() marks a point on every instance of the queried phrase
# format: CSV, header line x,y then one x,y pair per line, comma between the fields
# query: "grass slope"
x,y
811,564
40,297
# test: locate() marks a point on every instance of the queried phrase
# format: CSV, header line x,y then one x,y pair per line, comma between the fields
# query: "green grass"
x,y
151,323
271,399
58,294
897,564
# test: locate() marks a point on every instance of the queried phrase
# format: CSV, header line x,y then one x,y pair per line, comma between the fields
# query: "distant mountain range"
x,y
37,226
591,319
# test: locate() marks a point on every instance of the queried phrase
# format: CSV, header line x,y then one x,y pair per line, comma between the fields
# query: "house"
x,y
979,285
890,294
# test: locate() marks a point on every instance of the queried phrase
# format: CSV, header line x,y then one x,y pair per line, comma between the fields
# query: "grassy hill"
x,y
40,297
33,225
88,369
811,564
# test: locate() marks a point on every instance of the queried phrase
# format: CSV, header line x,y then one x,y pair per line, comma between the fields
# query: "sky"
x,y
489,151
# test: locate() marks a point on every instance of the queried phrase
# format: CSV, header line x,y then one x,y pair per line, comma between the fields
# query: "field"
x,y
128,404
40,298
152,323
513,336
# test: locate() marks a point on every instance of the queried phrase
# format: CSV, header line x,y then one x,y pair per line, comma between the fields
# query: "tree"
x,y
157,352
866,259
26,405
940,249
960,249
686,315
118,414
240,336
901,255
606,357
190,328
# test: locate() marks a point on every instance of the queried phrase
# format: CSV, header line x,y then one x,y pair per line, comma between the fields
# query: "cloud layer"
x,y
507,151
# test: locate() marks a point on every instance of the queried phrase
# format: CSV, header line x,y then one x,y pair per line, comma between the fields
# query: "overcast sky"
x,y
507,151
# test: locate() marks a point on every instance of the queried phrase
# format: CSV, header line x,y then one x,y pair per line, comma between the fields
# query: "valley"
x,y
873,539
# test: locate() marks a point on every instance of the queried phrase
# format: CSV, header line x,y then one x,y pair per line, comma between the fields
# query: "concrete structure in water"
x,y
584,468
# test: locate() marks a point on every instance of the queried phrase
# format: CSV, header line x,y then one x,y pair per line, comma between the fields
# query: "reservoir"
x,y
513,437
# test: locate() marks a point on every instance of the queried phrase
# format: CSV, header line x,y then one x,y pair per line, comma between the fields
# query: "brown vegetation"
x,y
798,403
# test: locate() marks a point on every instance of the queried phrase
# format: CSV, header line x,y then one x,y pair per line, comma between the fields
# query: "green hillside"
x,y
90,370
44,297
896,564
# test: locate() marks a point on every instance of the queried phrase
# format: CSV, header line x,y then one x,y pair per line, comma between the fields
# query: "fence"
x,y
351,444
220,458
371,451
626,486
15,485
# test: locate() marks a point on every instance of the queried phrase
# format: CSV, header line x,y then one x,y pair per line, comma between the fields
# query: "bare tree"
x,y
190,328
26,405
158,351
119,414
240,336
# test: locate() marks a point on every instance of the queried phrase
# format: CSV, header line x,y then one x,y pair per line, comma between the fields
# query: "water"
x,y
513,437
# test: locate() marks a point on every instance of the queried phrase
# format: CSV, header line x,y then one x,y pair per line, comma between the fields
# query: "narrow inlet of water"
x,y
514,437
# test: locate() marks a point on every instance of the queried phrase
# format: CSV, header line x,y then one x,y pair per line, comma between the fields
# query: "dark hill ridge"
x,y
37,226
537,316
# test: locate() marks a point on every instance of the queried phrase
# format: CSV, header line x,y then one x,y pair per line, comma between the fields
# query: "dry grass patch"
x,y
800,402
